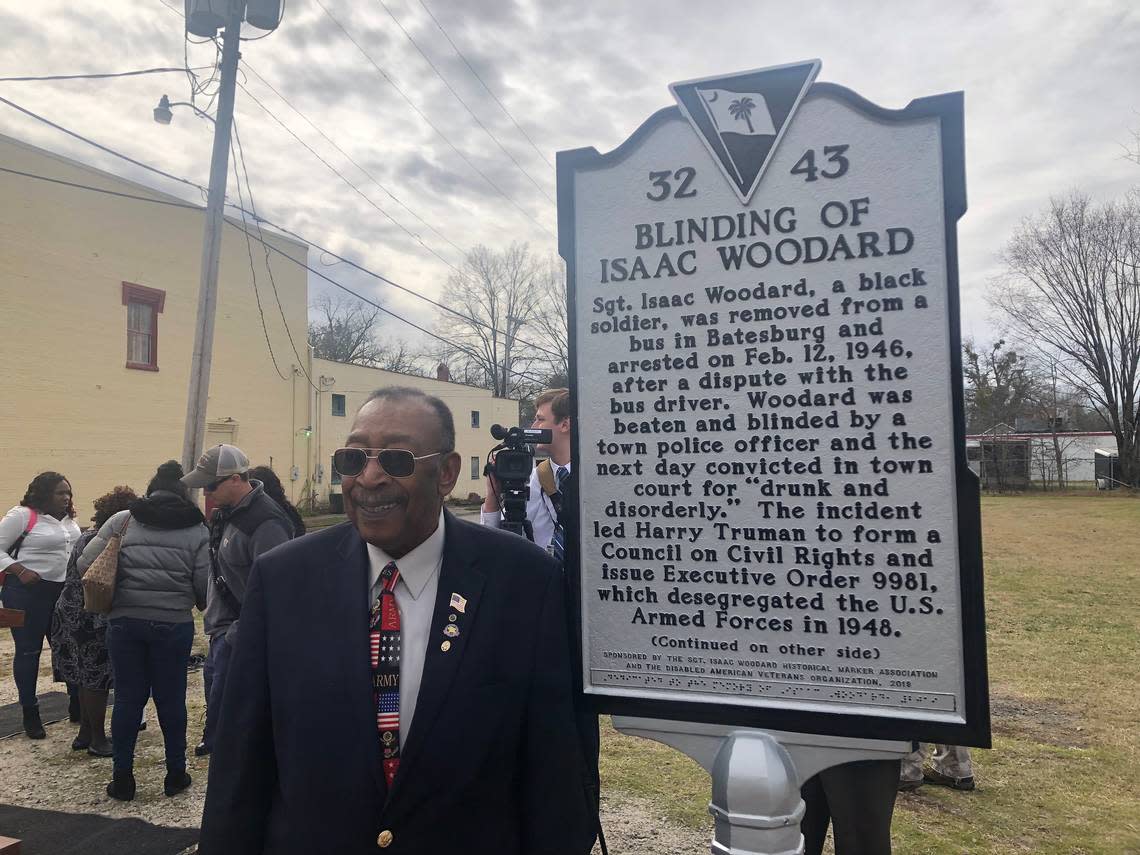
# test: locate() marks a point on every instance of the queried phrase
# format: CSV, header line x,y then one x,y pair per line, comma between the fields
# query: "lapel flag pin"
x,y
459,603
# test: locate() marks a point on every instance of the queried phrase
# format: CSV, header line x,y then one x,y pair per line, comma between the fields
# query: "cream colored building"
x,y
98,300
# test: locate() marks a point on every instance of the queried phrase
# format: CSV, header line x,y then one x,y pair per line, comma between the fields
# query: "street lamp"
x,y
164,115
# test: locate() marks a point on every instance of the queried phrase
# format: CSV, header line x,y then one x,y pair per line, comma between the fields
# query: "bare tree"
x,y
494,298
551,325
998,386
343,328
1054,404
1132,150
1072,296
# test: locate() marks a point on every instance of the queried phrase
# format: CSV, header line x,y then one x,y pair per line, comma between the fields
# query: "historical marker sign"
x,y
778,527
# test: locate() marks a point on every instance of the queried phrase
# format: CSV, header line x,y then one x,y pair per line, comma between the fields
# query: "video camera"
x,y
513,461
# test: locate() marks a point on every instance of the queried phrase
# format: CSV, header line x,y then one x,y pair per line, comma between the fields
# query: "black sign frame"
x,y
948,109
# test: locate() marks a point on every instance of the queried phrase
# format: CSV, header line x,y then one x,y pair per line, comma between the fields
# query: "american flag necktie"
x,y
558,541
384,651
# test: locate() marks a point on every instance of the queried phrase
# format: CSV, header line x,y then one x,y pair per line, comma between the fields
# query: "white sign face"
x,y
765,410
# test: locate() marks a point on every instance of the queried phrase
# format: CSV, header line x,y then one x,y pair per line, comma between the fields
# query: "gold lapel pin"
x,y
451,630
446,646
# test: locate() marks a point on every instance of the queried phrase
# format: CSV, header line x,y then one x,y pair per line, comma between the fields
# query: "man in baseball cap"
x,y
215,464
245,524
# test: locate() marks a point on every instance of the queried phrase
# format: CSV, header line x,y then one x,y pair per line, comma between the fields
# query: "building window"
x,y
337,405
474,468
474,418
144,305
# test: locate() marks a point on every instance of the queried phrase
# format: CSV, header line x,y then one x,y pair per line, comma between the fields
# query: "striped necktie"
x,y
558,541
384,652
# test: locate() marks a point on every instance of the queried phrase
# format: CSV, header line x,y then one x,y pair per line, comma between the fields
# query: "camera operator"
x,y
552,412
543,506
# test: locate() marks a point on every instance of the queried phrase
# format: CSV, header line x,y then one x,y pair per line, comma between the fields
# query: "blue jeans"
x,y
149,657
218,662
37,602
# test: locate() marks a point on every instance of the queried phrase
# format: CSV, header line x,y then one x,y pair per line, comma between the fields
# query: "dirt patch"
x,y
636,826
1046,721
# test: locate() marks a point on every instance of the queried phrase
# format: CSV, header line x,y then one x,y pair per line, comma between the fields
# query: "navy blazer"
x,y
491,763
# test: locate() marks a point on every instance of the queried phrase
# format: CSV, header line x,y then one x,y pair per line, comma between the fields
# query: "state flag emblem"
x,y
741,118
732,112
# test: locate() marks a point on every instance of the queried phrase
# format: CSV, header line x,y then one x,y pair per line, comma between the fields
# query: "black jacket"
x,y
238,535
492,762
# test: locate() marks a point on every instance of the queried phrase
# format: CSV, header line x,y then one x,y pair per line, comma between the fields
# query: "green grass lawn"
x,y
1063,615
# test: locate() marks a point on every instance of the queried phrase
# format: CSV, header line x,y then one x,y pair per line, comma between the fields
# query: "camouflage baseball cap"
x,y
216,463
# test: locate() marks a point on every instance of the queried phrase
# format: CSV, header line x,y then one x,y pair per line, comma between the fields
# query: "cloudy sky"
x,y
1052,97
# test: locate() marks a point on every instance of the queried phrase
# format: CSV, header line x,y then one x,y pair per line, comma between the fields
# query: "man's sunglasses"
x,y
397,462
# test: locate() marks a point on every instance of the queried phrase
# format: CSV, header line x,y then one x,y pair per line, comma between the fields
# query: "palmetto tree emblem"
x,y
742,108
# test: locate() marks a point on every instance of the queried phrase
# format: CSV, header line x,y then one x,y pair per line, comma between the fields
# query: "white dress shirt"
x,y
539,509
415,596
47,547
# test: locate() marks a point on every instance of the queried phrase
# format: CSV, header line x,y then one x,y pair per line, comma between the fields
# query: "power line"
x,y
283,229
268,265
103,190
252,268
462,349
484,85
460,273
429,123
347,156
102,76
471,112
181,14
101,147
352,186
419,240
270,247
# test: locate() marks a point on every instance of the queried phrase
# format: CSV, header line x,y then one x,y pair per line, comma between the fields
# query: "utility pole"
x,y
195,431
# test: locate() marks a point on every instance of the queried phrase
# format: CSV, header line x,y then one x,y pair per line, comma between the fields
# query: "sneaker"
x,y
33,727
176,782
201,750
933,776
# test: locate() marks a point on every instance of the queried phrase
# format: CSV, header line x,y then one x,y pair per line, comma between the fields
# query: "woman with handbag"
x,y
79,638
163,568
36,538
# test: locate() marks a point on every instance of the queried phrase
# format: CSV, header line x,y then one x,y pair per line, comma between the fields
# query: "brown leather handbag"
x,y
99,580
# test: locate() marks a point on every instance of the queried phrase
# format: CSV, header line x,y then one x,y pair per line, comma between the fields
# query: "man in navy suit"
x,y
482,756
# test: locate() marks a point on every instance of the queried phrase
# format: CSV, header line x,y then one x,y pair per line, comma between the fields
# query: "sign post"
x,y
779,531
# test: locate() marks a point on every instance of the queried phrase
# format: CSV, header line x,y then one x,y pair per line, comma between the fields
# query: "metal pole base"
x,y
752,769
756,776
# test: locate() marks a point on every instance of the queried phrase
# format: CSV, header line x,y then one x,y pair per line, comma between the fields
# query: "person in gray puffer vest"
x,y
245,524
164,566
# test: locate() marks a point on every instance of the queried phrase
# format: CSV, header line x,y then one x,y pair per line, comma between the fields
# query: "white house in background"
x,y
1033,457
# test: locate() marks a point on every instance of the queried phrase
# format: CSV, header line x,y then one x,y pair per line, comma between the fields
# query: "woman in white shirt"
x,y
36,538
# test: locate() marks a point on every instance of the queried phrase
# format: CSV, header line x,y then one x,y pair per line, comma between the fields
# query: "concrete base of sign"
x,y
756,776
